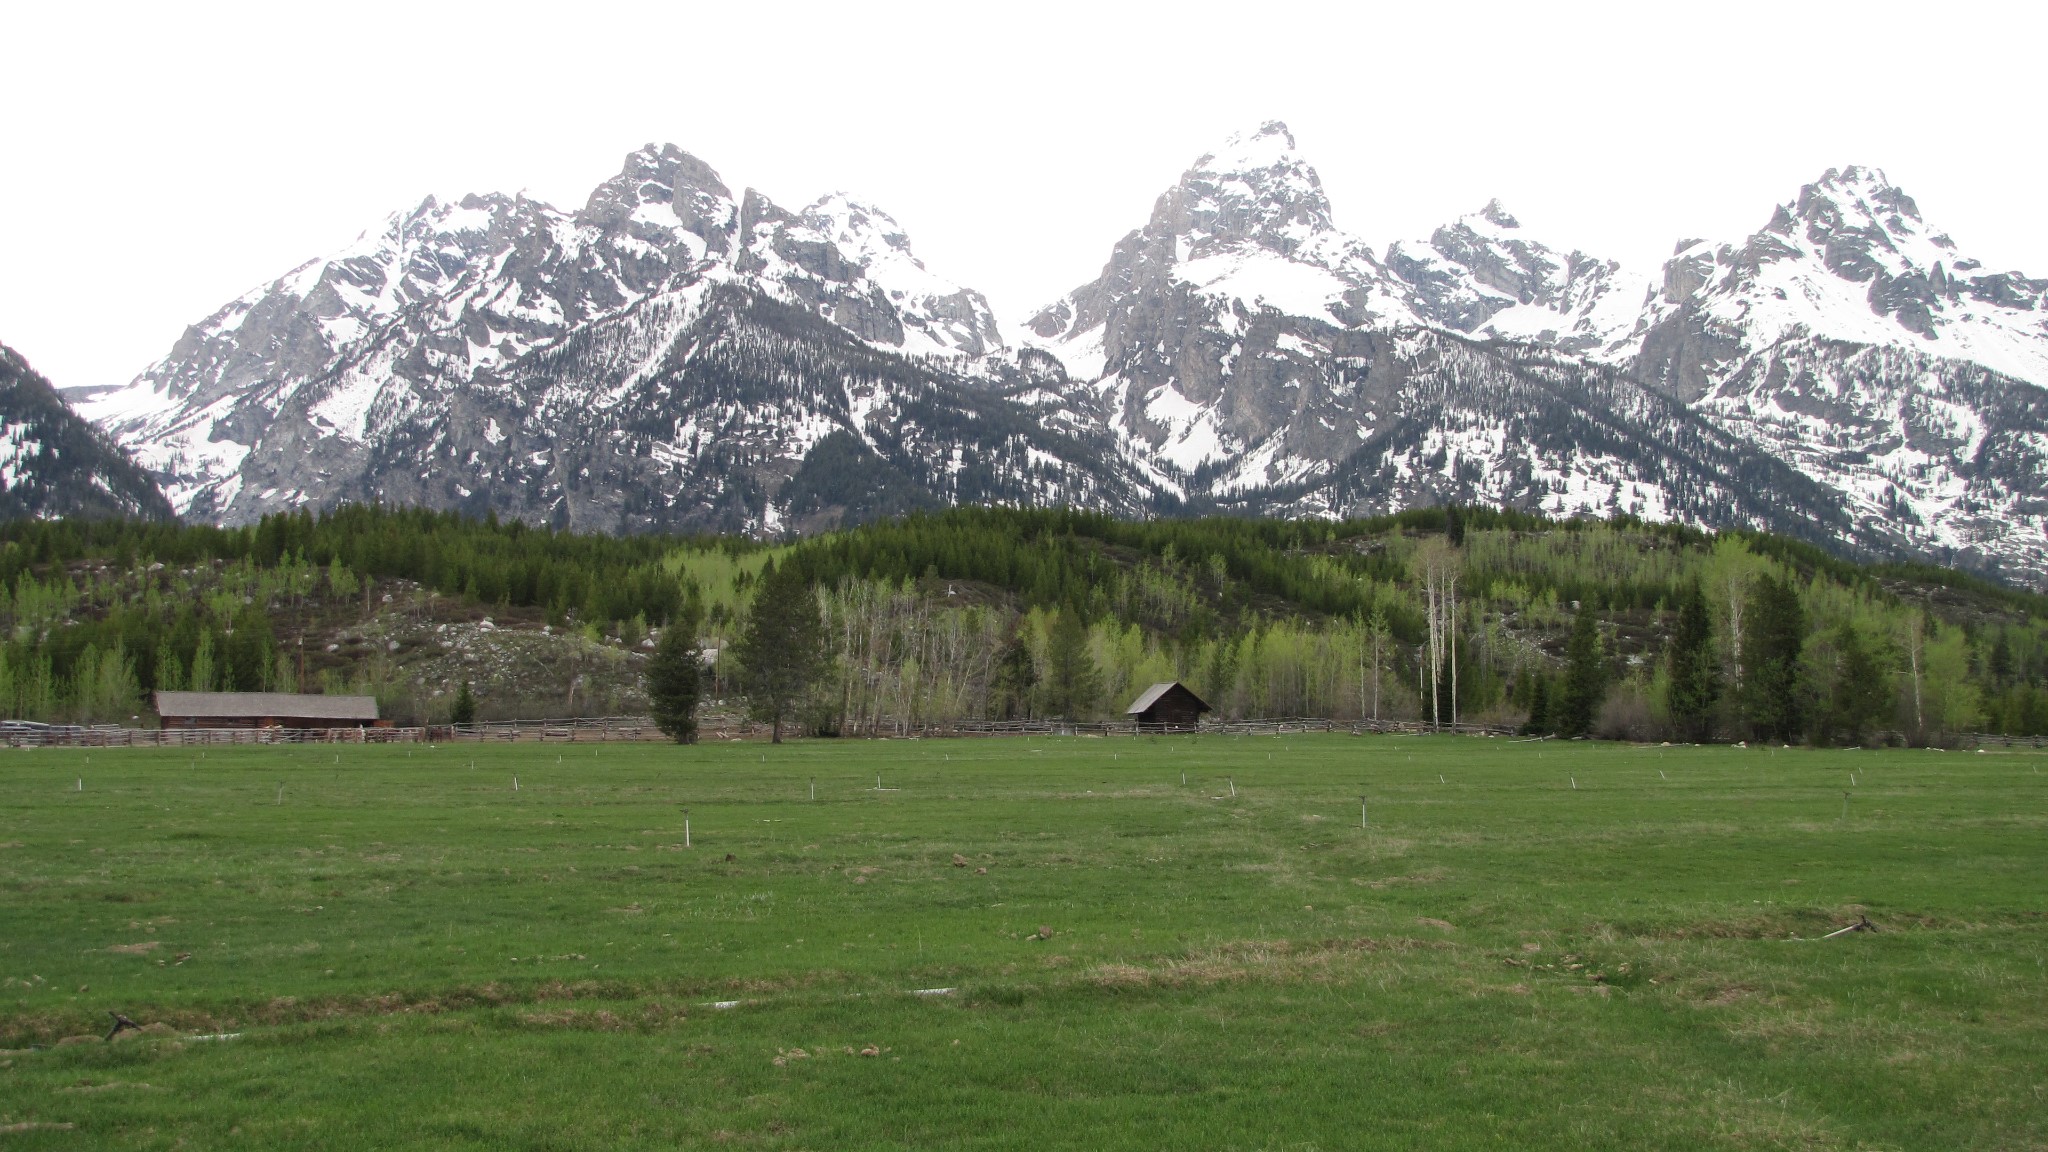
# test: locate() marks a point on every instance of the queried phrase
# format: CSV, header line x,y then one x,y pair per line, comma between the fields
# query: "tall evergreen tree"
x,y
1774,633
1859,697
783,650
1537,695
1585,679
1071,680
1695,669
463,711
675,675
1016,677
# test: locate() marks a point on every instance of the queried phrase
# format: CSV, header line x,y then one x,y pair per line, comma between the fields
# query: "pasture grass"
x,y
1531,946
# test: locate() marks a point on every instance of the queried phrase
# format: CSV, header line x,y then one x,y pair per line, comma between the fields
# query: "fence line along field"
x,y
1184,942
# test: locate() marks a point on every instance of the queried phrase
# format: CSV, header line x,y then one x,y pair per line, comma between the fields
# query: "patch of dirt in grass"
x,y
23,1029
1276,961
108,1086
649,1017
143,948
1426,876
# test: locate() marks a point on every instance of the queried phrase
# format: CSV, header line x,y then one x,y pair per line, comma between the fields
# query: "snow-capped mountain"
x,y
673,355
470,354
1856,342
1845,374
53,463
1250,353
1481,275
1849,260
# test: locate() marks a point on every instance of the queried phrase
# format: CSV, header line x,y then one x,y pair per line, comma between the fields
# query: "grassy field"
x,y
1533,945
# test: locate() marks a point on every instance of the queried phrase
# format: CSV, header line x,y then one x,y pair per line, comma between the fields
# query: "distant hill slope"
x,y
54,463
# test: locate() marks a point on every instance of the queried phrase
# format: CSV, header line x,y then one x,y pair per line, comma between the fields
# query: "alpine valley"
x,y
674,356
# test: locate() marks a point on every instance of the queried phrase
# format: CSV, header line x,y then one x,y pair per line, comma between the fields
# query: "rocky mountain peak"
x,y
662,186
858,226
1482,274
1849,259
1256,189
1497,215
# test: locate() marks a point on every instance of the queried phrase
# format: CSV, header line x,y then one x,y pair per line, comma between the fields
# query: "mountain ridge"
x,y
670,355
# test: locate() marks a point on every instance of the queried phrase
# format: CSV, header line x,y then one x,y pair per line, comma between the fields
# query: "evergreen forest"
x,y
1613,628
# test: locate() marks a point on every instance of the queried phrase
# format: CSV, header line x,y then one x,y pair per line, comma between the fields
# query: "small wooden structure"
x,y
266,710
1167,707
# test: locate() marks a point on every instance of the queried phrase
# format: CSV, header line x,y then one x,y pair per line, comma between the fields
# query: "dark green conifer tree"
x,y
675,675
1585,680
1016,677
1072,682
1538,699
1859,697
464,709
1695,671
783,651
1774,633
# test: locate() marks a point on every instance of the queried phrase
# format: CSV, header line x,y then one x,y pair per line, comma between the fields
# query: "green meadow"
x,y
1142,943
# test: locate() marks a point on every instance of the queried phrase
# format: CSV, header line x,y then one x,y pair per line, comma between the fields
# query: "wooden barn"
x,y
1167,707
265,710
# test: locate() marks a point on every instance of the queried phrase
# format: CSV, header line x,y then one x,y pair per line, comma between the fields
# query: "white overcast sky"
x,y
157,161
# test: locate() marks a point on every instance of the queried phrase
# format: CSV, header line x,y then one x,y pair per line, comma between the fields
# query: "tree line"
x,y
1610,627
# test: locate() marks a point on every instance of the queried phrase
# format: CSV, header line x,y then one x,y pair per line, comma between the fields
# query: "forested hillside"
x,y
1614,628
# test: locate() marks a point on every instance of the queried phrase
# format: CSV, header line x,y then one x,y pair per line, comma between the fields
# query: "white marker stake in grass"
x,y
814,787
1661,775
280,795
686,827
515,783
1233,788
1575,782
1362,811
81,783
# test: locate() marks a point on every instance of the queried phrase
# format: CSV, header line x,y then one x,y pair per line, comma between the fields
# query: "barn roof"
x,y
266,705
1151,696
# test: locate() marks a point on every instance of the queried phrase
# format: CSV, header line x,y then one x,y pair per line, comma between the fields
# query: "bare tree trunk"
x,y
1431,594
1376,636
1735,630
1451,618
1915,638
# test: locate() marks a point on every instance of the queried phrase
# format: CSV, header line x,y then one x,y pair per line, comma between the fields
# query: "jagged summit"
x,y
1482,274
1849,259
677,354
285,395
1496,214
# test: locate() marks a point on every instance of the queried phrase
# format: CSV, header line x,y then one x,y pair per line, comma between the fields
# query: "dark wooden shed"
x,y
1167,707
265,710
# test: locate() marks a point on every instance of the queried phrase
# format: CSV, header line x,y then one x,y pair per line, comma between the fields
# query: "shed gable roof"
x,y
1153,695
266,705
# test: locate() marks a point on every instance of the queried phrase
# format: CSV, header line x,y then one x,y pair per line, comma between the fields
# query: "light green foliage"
x,y
1955,703
724,578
